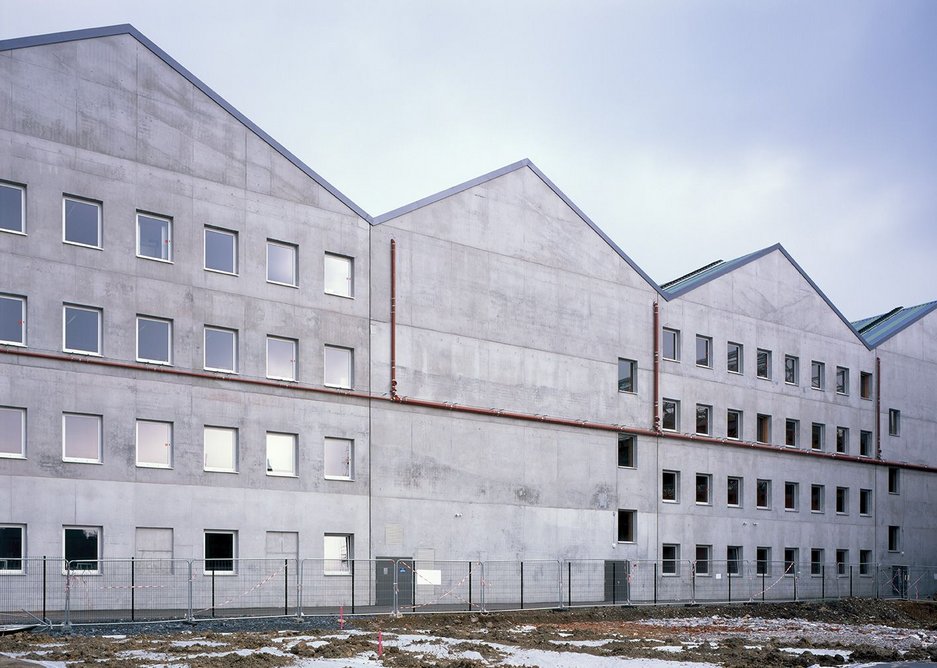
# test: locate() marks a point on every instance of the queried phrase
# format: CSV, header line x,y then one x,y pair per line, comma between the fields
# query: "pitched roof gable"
x,y
877,330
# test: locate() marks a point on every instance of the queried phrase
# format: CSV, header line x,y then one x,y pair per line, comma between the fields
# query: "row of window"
x,y
703,564
82,222
82,442
82,547
82,334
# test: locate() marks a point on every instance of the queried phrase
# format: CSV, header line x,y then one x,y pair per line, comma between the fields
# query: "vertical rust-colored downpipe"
x,y
656,425
878,407
393,319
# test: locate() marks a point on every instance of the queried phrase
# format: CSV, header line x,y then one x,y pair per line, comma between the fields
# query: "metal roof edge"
x,y
726,267
127,29
924,313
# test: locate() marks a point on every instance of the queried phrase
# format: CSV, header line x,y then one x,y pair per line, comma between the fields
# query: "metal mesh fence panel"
x,y
511,585
439,586
590,582
31,590
922,583
244,587
352,587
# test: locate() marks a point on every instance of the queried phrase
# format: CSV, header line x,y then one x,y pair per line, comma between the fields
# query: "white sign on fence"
x,y
426,576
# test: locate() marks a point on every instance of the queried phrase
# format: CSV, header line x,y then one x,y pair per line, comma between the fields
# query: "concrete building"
x,y
208,352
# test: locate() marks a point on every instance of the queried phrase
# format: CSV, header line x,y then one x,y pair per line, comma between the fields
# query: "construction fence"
x,y
54,591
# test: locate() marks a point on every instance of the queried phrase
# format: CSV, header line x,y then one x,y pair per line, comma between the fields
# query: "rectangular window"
x,y
842,380
842,563
281,263
704,351
82,329
842,440
894,538
763,428
671,410
154,340
13,320
842,500
671,344
704,419
221,349
703,557
627,451
791,370
339,459
816,561
817,375
12,208
221,449
734,491
704,489
865,443
865,385
894,480
894,422
817,436
154,237
339,367
221,250
627,375
12,548
81,222
763,364
626,526
82,548
670,559
763,493
12,432
281,358
81,438
670,486
338,551
733,560
763,561
734,357
791,558
733,424
154,444
791,495
865,502
339,275
281,454
791,432
817,498
865,562
220,552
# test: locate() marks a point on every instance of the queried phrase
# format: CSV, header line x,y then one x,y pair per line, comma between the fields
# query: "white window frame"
x,y
739,417
739,358
100,428
818,437
842,492
294,252
632,368
763,562
894,422
795,497
796,369
817,561
865,497
706,560
234,433
817,498
670,567
351,367
865,443
336,442
630,442
734,566
99,533
294,446
234,552
760,419
148,360
675,333
632,523
167,243
676,486
336,257
791,422
821,375
22,452
844,433
676,414
81,200
344,563
894,531
22,320
842,374
22,189
708,480
759,352
22,558
295,357
707,411
169,445
707,343
740,493
234,250
865,563
234,351
767,486
100,319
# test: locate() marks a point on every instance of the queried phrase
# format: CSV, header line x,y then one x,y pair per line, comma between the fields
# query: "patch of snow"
x,y
674,649
818,652
582,643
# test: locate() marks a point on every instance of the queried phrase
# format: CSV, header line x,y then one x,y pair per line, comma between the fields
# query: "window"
x,y
817,375
339,367
894,422
791,432
791,495
338,551
221,250
733,560
817,494
763,364
791,370
865,385
671,409
816,561
704,351
865,502
865,443
894,538
763,428
763,561
12,546
221,449
281,358
13,320
82,548
627,446
281,263
81,222
894,480
733,491
339,275
12,208
154,237
763,493
734,357
865,562
842,562
627,375
791,557
704,418
842,380
220,552
817,436
842,440
626,526
670,486
704,488
733,424
671,344
82,329
670,559
12,432
154,444
154,340
339,459
221,349
703,556
842,500
81,438
281,454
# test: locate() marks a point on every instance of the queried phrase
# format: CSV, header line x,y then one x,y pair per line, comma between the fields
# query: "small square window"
x,y
763,561
339,460
817,436
626,526
791,496
733,424
734,491
221,349
842,500
703,558
154,340
894,480
817,375
842,380
842,563
281,263
733,560
12,208
339,367
81,438
154,444
13,320
154,237
627,451
791,432
281,454
281,358
865,443
81,222
734,357
865,562
842,440
12,432
221,449
865,385
791,559
82,549
670,559
704,419
671,409
865,502
221,250
894,538
671,344
220,552
670,486
817,498
816,561
339,275
627,375
704,351
763,424
763,494
338,551
791,370
82,330
763,360
12,548
894,422
704,489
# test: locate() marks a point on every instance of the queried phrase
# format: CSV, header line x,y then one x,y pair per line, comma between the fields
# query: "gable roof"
x,y
876,330
127,29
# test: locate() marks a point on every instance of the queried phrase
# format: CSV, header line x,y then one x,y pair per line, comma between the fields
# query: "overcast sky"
x,y
689,131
